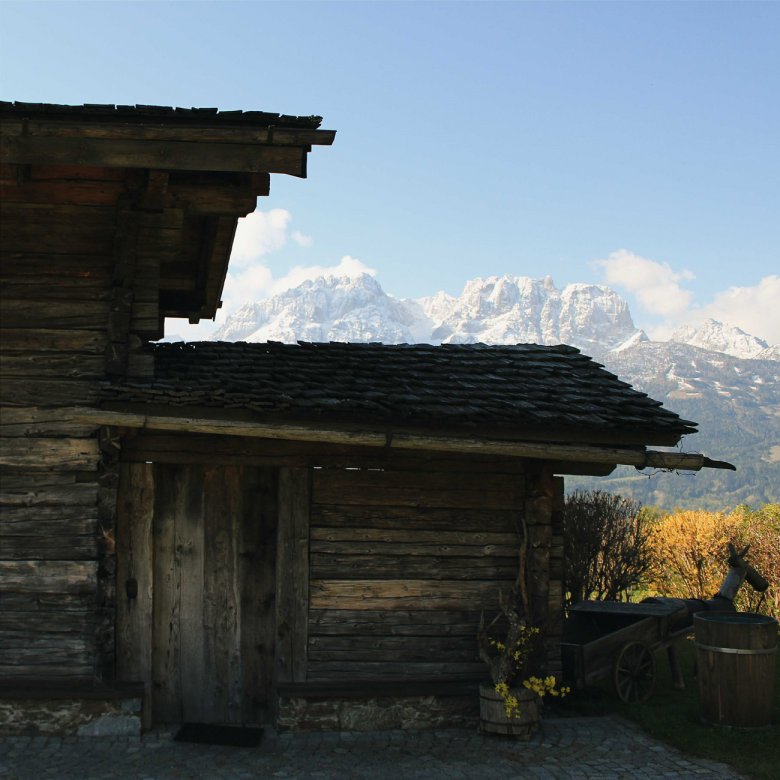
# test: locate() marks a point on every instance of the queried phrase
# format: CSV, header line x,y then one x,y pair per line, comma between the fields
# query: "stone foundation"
x,y
94,712
377,713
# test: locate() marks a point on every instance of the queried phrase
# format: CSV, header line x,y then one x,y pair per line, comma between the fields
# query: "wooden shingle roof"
x,y
525,386
108,112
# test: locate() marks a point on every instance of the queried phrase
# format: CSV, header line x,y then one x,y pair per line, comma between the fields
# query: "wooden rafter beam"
x,y
583,453
155,131
163,155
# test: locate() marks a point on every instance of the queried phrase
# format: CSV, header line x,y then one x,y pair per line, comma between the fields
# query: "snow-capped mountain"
x,y
720,337
329,309
514,309
720,376
491,310
494,310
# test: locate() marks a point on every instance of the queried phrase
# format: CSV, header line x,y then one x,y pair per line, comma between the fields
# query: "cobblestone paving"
x,y
570,748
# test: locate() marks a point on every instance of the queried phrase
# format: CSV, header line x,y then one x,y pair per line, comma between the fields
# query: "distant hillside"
x,y
737,405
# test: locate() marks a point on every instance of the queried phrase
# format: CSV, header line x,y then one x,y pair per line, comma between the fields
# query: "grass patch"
x,y
673,717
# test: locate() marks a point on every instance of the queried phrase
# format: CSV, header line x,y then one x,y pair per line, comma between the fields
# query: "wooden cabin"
x,y
246,533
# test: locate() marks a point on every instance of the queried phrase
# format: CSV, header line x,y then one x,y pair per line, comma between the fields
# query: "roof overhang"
x,y
166,186
570,457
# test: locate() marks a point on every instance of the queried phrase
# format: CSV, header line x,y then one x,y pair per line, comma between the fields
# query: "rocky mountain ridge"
x,y
492,310
720,376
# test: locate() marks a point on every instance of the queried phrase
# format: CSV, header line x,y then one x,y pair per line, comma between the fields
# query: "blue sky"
x,y
633,144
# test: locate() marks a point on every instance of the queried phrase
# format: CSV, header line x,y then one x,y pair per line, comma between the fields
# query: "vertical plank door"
x,y
210,558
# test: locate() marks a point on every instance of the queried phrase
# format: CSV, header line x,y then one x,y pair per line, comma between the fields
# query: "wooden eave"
x,y
145,144
566,454
549,433
183,180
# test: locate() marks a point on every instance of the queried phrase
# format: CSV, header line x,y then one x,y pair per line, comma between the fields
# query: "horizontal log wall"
x,y
68,305
401,565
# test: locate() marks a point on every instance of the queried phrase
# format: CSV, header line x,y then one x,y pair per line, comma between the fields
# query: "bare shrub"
x,y
606,551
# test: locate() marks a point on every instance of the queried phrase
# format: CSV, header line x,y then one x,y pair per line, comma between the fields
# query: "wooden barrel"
x,y
735,655
493,718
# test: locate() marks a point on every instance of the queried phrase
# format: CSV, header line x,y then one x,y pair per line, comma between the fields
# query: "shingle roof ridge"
x,y
119,112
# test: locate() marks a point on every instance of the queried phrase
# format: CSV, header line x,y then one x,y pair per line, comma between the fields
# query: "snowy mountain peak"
x,y
720,337
492,310
512,309
328,308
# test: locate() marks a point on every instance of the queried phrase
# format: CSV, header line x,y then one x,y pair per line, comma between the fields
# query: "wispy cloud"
x,y
754,309
250,279
348,266
656,286
302,239
259,234
660,294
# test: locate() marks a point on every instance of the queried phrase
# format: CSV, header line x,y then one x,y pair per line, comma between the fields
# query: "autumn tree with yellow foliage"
x,y
689,554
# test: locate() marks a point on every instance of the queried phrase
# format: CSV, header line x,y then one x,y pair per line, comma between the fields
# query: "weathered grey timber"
x,y
254,533
112,219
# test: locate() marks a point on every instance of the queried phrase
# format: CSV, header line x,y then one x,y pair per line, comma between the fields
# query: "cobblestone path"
x,y
570,748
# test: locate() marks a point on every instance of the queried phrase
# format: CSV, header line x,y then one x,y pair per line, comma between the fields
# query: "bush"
x,y
606,551
690,551
761,530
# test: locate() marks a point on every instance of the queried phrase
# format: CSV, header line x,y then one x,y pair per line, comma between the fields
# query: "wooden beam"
x,y
135,509
586,453
162,155
234,134
54,454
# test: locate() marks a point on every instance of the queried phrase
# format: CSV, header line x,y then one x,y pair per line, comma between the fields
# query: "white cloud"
x,y
754,309
259,234
655,285
658,291
302,239
246,285
347,266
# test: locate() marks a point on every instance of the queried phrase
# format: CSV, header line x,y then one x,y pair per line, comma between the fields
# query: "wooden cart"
x,y
612,639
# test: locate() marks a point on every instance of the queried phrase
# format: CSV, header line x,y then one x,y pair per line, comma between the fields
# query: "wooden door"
x,y
205,544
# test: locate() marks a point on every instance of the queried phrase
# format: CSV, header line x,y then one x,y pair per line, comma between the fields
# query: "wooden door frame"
x,y
135,578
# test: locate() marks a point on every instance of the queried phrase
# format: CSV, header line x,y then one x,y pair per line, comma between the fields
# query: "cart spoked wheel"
x,y
633,673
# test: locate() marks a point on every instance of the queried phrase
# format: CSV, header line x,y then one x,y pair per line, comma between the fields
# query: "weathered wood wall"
x,y
385,561
75,303
402,563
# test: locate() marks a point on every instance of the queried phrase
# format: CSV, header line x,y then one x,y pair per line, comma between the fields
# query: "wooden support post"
x,y
292,574
675,668
135,514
